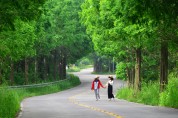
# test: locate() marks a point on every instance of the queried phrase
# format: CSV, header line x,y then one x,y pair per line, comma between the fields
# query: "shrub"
x,y
149,93
9,103
126,93
170,96
120,71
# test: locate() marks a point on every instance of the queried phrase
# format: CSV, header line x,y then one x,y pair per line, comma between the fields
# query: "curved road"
x,y
79,102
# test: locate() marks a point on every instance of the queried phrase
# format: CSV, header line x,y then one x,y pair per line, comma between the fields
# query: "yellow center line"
x,y
73,100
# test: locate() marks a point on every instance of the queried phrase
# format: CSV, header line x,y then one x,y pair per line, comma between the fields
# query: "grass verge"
x,y
10,98
151,95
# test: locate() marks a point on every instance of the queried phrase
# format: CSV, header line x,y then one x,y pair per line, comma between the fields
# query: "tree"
x,y
135,25
12,10
116,22
61,37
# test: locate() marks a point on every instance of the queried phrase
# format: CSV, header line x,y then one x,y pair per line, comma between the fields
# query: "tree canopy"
x,y
123,27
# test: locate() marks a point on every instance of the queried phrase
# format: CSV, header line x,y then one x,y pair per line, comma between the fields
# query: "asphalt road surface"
x,y
80,102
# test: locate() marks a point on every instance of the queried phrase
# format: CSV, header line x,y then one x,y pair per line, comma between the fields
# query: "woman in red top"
x,y
96,86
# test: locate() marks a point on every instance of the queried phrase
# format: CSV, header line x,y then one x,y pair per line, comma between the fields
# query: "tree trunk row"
x,y
53,65
104,64
134,75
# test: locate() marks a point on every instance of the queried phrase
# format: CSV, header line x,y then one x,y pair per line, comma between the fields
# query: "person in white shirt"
x,y
109,84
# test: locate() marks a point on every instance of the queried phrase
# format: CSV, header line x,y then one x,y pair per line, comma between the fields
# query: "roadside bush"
x,y
149,93
9,103
170,96
126,93
120,71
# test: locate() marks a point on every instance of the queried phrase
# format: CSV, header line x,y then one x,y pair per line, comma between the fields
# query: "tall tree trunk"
x,y
128,77
55,65
138,70
128,74
50,65
64,66
26,71
109,65
164,66
60,64
60,69
36,71
95,65
0,77
40,67
44,69
113,65
12,74
132,76
100,65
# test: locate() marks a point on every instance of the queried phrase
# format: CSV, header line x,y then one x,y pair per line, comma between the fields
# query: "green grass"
x,y
10,98
126,93
170,96
9,103
104,73
151,95
78,68
74,69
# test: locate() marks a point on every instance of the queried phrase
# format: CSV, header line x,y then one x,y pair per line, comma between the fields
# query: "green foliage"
x,y
120,71
20,43
84,62
150,65
59,27
170,95
126,93
9,103
19,78
150,94
42,32
12,10
73,69
10,98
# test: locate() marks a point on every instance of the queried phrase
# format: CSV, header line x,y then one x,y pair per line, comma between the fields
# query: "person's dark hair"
x,y
111,78
96,78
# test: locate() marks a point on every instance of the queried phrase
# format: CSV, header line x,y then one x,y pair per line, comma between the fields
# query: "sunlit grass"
x,y
78,68
73,69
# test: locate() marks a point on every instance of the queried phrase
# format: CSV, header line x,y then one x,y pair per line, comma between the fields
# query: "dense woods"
x,y
39,38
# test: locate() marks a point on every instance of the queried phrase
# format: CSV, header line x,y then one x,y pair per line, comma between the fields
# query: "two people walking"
x,y
96,85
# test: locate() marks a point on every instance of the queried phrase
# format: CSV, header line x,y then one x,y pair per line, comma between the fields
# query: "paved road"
x,y
79,102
